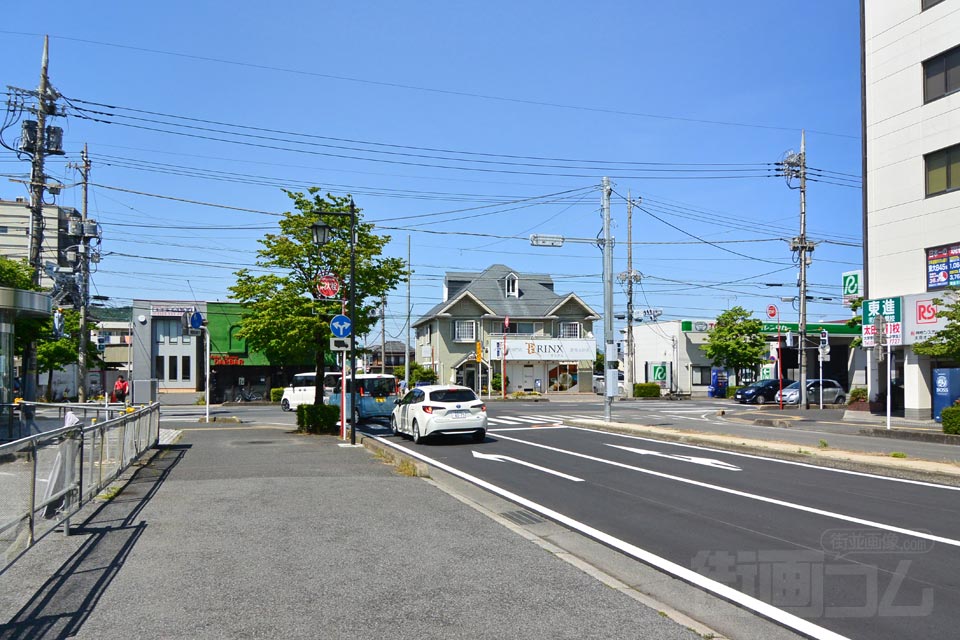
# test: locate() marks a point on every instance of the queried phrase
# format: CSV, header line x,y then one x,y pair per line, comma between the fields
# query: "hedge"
x,y
276,395
732,391
646,390
322,419
950,417
858,394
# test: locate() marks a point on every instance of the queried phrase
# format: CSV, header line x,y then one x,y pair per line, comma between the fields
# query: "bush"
x,y
276,394
318,419
646,390
731,391
858,394
495,382
950,417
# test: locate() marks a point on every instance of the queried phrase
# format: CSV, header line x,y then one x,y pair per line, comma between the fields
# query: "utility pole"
x,y
611,379
629,276
84,281
406,346
383,335
795,166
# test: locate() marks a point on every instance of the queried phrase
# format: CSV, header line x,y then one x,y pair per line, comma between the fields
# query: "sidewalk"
x,y
258,532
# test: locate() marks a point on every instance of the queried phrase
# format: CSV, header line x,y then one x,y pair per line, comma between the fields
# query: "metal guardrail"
x,y
47,477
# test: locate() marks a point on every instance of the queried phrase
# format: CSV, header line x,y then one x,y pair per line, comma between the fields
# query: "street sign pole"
x,y
888,384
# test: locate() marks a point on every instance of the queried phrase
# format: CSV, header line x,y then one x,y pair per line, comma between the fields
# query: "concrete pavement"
x,y
257,532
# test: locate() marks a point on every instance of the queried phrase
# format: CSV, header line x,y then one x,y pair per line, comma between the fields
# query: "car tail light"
x,y
482,407
430,409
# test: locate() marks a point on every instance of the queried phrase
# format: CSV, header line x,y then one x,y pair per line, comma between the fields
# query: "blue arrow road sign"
x,y
196,320
341,326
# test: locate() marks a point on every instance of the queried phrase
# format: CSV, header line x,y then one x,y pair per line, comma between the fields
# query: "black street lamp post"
x,y
320,237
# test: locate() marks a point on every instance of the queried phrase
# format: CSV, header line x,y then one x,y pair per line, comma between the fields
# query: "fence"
x,y
47,477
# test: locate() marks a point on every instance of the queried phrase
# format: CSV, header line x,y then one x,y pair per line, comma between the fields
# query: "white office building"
x,y
911,88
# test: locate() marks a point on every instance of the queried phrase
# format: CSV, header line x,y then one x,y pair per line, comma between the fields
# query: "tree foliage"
x,y
284,316
736,341
945,344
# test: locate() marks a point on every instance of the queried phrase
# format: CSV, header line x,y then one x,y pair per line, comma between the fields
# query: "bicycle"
x,y
247,396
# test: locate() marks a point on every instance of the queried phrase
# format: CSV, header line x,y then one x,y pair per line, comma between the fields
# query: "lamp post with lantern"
x,y
321,234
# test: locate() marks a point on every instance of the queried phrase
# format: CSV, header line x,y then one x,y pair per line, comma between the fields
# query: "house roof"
x,y
537,298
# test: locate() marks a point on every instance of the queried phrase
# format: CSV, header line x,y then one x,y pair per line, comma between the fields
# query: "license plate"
x,y
458,414
379,399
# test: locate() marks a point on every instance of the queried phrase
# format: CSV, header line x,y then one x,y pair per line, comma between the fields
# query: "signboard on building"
x,y
891,310
852,286
943,267
549,349
920,321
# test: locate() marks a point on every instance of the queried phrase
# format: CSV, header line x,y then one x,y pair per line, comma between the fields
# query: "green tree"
x,y
945,344
418,373
284,316
856,321
736,341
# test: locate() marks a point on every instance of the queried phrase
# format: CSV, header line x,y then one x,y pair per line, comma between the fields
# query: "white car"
x,y
439,409
303,390
600,385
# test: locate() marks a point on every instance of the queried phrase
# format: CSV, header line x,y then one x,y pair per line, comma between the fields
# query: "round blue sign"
x,y
341,326
196,320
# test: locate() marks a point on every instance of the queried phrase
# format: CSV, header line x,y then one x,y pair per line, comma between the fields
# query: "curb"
x,y
919,436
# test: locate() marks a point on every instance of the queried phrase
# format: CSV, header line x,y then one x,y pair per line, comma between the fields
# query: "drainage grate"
x,y
522,517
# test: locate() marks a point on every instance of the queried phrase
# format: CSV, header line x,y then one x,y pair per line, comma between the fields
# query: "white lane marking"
x,y
750,496
753,456
778,615
530,428
532,420
503,420
500,458
555,419
707,462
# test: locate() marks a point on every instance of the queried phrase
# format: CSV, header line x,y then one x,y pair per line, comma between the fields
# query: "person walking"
x,y
121,389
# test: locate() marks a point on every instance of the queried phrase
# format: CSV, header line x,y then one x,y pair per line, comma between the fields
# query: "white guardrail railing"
x,y
47,477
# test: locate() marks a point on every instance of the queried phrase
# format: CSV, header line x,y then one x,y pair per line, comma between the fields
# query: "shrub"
x,y
276,394
646,390
950,417
731,391
858,394
318,419
495,382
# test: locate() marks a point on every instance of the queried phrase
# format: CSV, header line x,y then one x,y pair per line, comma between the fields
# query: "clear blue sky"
x,y
463,109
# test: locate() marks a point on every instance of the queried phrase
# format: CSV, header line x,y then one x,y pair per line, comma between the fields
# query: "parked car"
x,y
760,392
303,389
600,385
833,392
439,409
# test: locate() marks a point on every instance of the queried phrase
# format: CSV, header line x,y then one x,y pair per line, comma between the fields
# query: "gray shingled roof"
x,y
536,299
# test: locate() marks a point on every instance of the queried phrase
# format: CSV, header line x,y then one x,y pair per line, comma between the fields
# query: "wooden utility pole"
x,y
84,281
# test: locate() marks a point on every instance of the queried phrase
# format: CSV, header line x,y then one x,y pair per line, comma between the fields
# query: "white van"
x,y
303,389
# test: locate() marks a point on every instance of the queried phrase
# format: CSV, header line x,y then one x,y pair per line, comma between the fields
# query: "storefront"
x,y
545,365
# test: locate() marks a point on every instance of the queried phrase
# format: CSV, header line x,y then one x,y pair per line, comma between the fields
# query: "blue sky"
x,y
502,117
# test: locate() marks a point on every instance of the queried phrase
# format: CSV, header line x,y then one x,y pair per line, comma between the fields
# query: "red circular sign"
x,y
772,311
328,286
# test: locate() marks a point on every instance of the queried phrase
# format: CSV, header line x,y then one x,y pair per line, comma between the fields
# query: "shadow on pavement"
x,y
62,604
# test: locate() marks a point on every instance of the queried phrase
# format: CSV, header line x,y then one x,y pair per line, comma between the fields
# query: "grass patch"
x,y
803,452
407,468
823,444
898,454
109,493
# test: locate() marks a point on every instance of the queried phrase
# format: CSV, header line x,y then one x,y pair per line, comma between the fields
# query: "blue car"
x,y
761,392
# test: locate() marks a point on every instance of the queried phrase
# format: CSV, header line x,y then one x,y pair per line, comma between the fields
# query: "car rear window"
x,y
453,395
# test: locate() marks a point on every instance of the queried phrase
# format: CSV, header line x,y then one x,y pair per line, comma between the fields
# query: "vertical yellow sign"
x,y
479,351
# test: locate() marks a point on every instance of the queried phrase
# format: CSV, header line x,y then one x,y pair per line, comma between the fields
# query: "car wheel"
x,y
760,399
285,405
417,438
393,426
478,436
841,400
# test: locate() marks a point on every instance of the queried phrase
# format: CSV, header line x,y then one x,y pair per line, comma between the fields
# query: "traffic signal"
x,y
101,343
824,338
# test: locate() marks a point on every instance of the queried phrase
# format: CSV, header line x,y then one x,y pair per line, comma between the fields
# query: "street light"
x,y
321,235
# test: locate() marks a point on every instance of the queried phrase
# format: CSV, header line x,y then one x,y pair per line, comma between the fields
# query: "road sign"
x,y
772,311
340,344
890,310
328,286
341,326
196,320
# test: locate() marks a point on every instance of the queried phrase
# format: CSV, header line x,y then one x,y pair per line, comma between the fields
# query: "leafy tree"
x,y
284,316
16,274
945,344
736,341
856,321
598,363
55,353
418,373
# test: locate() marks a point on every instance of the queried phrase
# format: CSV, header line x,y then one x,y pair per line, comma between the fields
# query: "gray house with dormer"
x,y
501,320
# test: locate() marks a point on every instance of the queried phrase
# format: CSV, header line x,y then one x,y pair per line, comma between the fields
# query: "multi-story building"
x,y
911,88
16,226
500,320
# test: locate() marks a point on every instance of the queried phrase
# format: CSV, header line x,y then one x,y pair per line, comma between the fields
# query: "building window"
x,y
465,331
926,4
167,330
941,75
185,368
159,367
569,329
173,367
701,376
512,286
943,170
